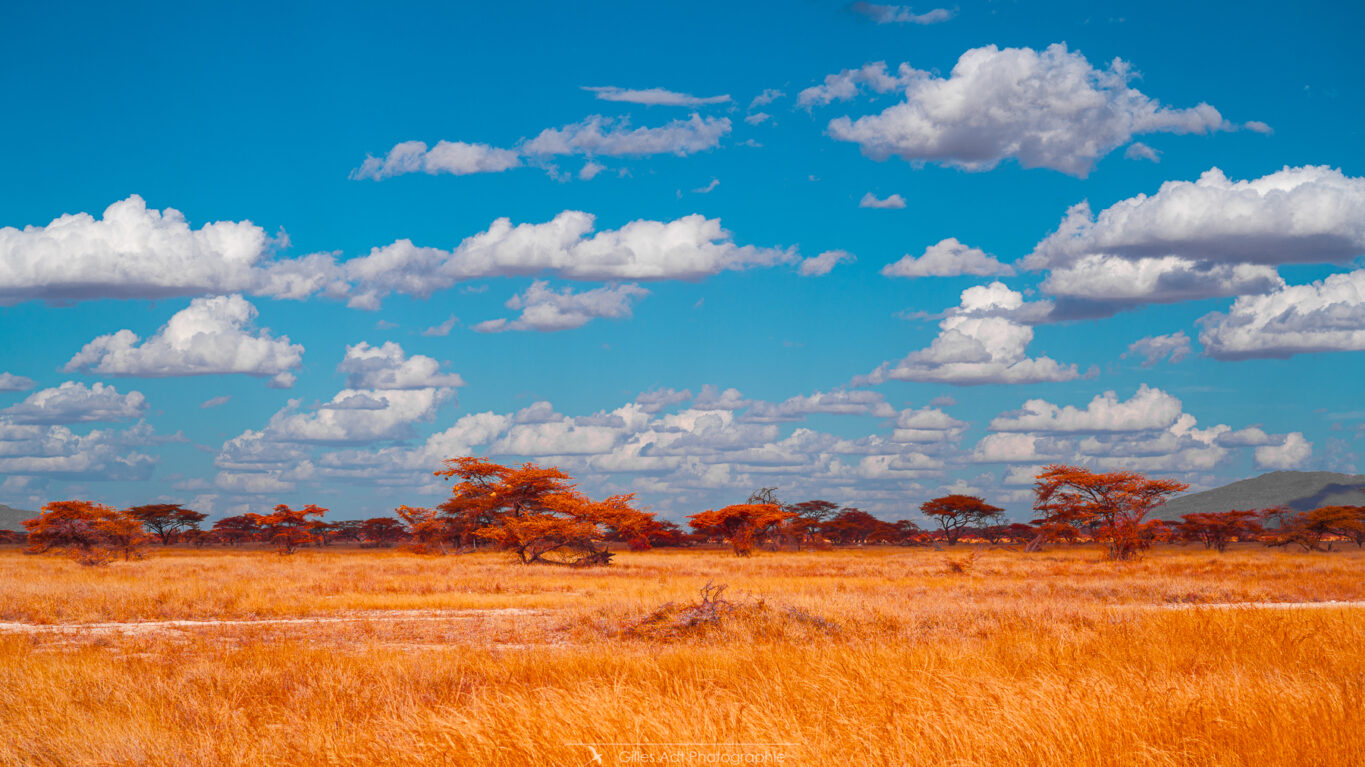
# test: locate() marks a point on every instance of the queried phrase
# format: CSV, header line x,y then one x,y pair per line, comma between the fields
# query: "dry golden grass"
x,y
878,656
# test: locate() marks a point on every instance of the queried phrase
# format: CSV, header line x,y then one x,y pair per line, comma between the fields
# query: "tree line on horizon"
x,y
539,516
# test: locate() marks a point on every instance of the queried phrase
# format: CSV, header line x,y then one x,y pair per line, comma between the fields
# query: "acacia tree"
x,y
740,525
1310,528
92,531
855,526
1215,529
486,492
909,533
570,529
289,528
350,529
1346,521
381,531
537,514
955,512
1115,504
237,529
428,532
805,526
166,520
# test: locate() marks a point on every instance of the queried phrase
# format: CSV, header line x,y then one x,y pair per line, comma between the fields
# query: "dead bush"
x,y
960,565
714,616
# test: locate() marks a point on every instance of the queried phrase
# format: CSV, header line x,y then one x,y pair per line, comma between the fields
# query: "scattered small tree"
x,y
535,513
855,526
167,521
740,525
93,532
956,512
1347,522
1310,528
804,528
237,529
667,534
909,533
570,529
1114,504
427,531
381,531
290,528
1216,529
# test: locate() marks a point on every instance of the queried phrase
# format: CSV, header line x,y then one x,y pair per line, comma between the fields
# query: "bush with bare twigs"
x,y
716,616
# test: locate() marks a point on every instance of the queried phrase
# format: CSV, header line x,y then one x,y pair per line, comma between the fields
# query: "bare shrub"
x,y
960,565
716,616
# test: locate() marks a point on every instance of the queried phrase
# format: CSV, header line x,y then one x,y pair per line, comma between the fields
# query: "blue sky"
x,y
683,250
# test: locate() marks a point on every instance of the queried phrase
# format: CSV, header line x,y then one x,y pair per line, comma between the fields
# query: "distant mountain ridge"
x,y
12,518
1299,490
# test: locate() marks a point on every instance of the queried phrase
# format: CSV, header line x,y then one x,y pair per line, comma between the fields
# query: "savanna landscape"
x,y
824,383
791,646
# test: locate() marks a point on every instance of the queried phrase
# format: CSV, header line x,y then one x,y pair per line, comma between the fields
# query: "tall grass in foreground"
x,y
1019,660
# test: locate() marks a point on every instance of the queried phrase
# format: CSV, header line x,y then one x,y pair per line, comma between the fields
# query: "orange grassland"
x,y
877,656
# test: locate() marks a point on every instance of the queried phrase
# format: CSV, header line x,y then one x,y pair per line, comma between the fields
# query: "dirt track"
x,y
146,627
133,628
1263,605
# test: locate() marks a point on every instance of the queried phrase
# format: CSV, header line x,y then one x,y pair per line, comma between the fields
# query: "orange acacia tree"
x,y
537,514
1310,528
1114,504
92,531
1215,529
855,526
429,533
289,528
167,520
806,525
381,531
237,529
955,512
740,525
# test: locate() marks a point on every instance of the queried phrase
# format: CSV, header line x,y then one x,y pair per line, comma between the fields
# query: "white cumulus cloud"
x,y
979,342
453,157
948,258
1290,454
74,402
1324,316
822,264
379,415
1310,214
131,252
1140,151
1149,408
658,399
388,367
840,402
1048,108
688,248
12,382
545,309
1152,349
891,202
211,336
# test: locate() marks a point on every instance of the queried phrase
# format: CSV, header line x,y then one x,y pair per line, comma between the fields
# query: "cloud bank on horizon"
x,y
1083,261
